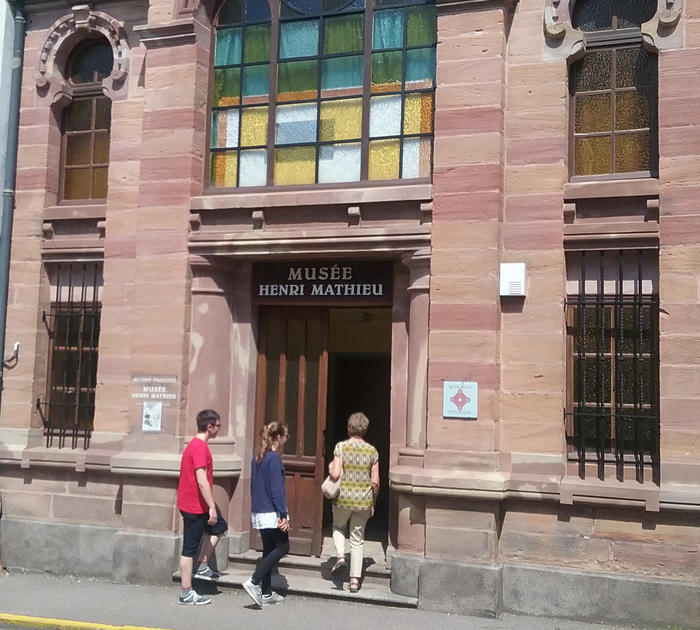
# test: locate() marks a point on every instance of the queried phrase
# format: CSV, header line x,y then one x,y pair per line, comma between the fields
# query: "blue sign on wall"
x,y
459,399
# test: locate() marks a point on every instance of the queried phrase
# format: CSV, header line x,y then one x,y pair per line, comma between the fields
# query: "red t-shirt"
x,y
196,455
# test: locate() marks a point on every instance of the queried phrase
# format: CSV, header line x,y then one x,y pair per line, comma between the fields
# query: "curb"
x,y
62,624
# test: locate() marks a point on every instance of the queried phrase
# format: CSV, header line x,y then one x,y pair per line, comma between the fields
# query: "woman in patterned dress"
x,y
357,463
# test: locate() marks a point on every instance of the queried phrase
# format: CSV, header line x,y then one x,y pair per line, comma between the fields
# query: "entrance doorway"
x,y
316,366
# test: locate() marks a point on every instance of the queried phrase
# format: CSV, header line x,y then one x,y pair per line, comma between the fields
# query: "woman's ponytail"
x,y
268,434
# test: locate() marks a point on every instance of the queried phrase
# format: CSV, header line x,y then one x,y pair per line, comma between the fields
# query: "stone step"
x,y
311,576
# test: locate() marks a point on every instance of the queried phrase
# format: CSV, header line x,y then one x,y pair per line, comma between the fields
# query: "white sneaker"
x,y
272,598
193,598
254,590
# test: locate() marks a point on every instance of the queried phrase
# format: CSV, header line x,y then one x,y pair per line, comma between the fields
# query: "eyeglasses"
x,y
217,425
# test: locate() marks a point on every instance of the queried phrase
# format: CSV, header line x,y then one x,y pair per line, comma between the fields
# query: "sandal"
x,y
339,563
354,585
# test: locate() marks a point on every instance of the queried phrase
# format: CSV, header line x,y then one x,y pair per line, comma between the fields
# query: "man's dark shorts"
x,y
194,525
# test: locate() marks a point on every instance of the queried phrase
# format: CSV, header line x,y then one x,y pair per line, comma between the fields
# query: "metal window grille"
x,y
612,413
73,326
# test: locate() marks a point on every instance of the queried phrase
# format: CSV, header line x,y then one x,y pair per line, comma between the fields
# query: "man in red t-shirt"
x,y
195,501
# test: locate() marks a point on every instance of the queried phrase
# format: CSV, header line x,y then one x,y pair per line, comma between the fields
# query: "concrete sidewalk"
x,y
39,600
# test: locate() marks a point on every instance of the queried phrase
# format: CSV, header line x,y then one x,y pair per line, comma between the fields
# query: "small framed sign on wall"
x,y
459,400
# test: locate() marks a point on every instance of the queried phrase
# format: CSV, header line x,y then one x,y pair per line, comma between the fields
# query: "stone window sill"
x,y
312,197
642,187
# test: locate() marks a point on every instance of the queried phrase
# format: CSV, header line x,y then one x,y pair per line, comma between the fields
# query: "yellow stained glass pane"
x,y
418,113
633,110
295,165
76,184
254,126
384,159
593,113
224,167
592,156
632,152
78,149
341,120
99,183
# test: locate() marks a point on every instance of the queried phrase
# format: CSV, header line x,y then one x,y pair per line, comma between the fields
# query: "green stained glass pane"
x,y
633,110
632,152
297,80
79,115
592,156
388,29
592,72
635,68
256,80
593,112
231,13
422,25
227,86
420,67
344,33
299,39
256,43
387,71
78,149
341,72
228,47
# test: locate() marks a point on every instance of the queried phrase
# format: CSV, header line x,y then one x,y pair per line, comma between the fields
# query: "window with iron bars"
x,y
612,319
73,326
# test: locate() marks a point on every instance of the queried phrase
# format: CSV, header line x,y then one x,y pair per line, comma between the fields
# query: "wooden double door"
x,y
292,377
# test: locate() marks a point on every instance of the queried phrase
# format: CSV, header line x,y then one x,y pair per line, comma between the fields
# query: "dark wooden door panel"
x,y
291,386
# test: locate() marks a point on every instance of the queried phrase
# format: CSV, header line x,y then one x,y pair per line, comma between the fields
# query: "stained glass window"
x,y
614,91
322,91
86,123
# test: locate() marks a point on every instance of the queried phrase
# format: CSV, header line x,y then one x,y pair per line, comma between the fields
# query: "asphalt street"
x,y
39,600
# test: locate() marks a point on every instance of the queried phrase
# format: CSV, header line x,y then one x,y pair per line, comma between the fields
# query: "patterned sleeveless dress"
x,y
355,485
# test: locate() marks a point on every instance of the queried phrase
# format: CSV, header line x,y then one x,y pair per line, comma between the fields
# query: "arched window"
x,y
322,91
614,91
86,123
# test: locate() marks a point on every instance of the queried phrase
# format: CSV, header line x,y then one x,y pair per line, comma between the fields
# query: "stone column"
x,y
418,263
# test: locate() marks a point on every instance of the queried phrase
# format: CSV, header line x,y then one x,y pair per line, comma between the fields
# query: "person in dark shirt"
x,y
269,513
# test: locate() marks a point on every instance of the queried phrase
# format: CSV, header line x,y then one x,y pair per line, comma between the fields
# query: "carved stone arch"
x,y
65,33
563,41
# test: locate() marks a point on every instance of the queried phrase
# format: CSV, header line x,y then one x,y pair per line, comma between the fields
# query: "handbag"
x,y
331,487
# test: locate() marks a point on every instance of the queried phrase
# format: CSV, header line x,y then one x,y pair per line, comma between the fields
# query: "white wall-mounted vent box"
x,y
513,276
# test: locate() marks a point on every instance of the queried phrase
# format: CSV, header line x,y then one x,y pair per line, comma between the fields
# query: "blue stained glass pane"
x,y
256,80
231,13
257,11
420,64
228,47
341,72
388,29
299,39
296,124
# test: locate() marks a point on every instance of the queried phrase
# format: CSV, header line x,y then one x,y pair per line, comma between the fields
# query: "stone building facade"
x,y
305,209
